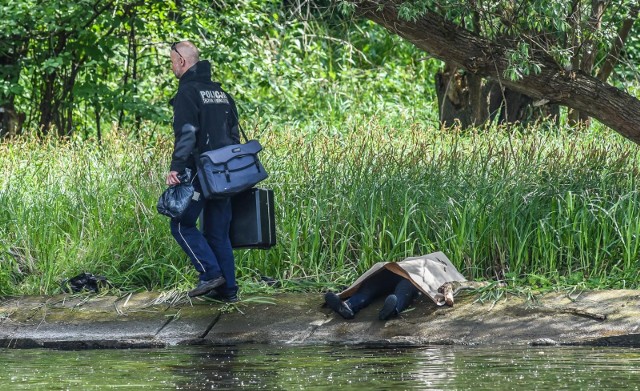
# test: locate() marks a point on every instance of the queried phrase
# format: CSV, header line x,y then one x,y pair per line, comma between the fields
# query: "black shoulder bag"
x,y
230,170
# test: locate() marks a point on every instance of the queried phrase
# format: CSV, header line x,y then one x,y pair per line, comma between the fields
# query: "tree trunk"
x,y
10,120
464,99
467,100
453,98
445,40
618,44
477,100
587,55
46,108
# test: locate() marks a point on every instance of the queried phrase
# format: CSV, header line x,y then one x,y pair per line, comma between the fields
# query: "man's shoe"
x,y
215,295
229,299
335,303
205,286
389,308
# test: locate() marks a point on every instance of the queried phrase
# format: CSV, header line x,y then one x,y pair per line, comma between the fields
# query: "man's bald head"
x,y
184,55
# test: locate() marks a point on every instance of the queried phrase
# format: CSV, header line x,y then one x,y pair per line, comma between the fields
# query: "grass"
x,y
532,207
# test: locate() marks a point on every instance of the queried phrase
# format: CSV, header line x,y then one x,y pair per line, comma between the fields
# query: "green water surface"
x,y
323,368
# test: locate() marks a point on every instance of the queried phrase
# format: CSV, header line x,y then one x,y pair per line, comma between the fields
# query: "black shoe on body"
x,y
389,308
335,303
206,286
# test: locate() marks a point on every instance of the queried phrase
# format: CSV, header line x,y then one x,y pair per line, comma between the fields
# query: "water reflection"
x,y
206,369
566,368
318,368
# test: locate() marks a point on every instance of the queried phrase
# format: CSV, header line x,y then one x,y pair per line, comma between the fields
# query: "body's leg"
x,y
380,284
402,296
405,292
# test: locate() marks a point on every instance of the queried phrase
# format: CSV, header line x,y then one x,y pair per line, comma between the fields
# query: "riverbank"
x,y
159,319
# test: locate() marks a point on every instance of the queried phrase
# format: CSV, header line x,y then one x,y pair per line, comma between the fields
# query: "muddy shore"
x,y
160,319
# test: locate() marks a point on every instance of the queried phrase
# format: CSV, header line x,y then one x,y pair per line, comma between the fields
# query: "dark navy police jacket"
x,y
212,113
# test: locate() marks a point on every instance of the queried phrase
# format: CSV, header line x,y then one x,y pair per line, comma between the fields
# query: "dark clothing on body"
x,y
398,290
401,281
383,283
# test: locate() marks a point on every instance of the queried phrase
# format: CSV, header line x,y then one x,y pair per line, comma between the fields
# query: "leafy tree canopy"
x,y
75,67
553,52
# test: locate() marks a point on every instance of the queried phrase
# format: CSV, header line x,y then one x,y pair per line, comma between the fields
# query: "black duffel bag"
x,y
175,199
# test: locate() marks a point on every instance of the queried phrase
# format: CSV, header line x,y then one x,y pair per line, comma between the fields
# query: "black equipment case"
x,y
253,223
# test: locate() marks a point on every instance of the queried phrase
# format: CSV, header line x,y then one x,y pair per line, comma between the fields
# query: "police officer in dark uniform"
x,y
204,118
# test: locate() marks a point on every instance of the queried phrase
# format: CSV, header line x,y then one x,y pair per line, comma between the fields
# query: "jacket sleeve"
x,y
185,126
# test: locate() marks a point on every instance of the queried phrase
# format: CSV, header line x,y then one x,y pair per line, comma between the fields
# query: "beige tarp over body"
x,y
427,273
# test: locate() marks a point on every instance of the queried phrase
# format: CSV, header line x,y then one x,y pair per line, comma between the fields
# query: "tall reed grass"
x,y
533,206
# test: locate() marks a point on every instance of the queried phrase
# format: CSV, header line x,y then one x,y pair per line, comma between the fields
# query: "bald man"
x,y
204,118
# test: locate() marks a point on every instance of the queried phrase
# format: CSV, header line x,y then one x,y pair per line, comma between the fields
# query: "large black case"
x,y
253,223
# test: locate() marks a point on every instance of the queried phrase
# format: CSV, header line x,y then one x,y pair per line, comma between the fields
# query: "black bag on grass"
x,y
85,281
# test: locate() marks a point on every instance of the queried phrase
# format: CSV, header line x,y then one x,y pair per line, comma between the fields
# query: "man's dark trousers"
x,y
210,253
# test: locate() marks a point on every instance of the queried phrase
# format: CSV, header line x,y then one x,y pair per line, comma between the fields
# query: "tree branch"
x,y
618,43
449,42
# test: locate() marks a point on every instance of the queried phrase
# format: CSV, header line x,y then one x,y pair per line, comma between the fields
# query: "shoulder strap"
x,y
246,140
240,126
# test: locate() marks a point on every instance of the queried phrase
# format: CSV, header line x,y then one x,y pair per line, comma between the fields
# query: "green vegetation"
x,y
111,66
361,171
533,207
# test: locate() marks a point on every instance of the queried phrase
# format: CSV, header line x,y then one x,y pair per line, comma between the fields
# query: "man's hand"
x,y
172,178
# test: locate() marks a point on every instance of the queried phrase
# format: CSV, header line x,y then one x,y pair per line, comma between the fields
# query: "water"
x,y
323,368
